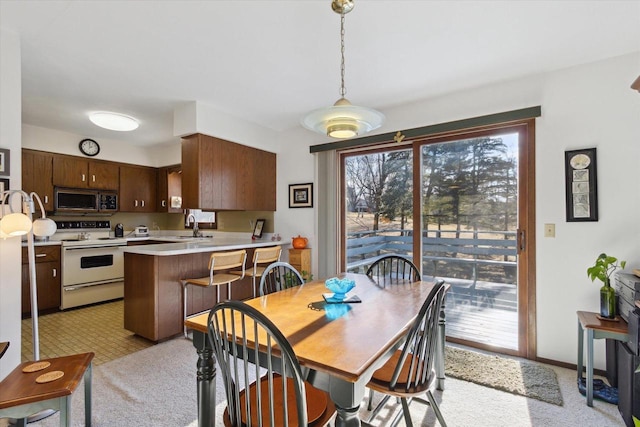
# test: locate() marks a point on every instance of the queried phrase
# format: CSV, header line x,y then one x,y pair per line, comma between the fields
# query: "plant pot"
x,y
607,302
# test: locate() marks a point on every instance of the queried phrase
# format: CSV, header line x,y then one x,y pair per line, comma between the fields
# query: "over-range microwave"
x,y
75,200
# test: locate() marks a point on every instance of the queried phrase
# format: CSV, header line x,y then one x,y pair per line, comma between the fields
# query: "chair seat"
x,y
381,379
320,407
218,279
249,272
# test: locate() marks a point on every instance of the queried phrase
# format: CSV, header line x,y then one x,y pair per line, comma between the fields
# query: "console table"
x,y
596,329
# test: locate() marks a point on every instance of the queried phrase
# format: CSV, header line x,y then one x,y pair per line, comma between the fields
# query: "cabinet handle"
x,y
142,201
84,178
93,177
41,255
55,272
164,203
46,199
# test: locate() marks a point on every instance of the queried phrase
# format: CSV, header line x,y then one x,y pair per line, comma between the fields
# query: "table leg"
x,y
440,351
87,395
589,367
580,349
65,411
347,417
206,377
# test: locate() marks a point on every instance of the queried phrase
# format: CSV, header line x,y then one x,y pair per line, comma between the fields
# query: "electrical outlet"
x,y
549,230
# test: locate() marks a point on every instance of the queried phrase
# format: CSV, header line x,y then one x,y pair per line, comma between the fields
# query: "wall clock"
x,y
89,147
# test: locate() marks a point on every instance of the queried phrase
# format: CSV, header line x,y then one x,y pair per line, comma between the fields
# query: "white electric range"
x,y
92,263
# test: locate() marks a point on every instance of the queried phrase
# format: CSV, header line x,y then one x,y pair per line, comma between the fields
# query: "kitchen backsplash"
x,y
235,221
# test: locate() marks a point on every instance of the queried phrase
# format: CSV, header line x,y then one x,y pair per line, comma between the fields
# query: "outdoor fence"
x,y
481,266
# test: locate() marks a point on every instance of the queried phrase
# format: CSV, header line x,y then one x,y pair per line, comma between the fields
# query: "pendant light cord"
x,y
343,91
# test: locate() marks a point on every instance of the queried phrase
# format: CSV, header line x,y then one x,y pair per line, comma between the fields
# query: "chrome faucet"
x,y
196,230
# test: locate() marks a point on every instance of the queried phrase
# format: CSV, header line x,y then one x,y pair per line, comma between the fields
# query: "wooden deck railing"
x,y
458,256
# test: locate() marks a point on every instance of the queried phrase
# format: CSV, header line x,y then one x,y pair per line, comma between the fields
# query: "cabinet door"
x,y
219,174
103,175
37,176
48,286
48,283
137,189
69,171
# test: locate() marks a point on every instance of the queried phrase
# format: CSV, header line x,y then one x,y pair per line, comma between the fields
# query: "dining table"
x,y
339,345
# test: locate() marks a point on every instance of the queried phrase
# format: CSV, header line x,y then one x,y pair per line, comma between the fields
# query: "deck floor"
x,y
490,321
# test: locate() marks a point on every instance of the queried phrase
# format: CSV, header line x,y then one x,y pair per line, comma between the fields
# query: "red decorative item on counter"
x,y
299,242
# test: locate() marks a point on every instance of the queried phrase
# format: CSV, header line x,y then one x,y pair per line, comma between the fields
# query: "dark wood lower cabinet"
x,y
49,285
153,300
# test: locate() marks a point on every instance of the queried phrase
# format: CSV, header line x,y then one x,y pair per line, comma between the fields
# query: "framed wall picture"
x,y
581,185
301,195
257,230
4,162
4,186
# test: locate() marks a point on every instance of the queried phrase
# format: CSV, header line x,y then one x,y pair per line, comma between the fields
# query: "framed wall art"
x,y
257,230
4,186
581,185
301,195
4,162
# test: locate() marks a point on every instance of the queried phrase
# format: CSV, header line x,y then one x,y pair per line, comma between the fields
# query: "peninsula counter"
x,y
152,288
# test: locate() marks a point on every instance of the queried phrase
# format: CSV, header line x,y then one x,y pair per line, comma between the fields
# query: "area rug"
x,y
529,379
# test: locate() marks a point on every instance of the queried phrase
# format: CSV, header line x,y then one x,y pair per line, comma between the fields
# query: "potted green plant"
x,y
603,268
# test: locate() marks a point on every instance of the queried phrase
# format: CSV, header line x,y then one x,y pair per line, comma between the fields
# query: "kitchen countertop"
x,y
176,244
213,244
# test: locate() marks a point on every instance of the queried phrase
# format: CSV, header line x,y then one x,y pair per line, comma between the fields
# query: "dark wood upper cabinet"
x,y
37,171
138,189
76,172
222,175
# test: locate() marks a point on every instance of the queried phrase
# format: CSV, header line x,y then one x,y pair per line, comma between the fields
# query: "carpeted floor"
x,y
156,387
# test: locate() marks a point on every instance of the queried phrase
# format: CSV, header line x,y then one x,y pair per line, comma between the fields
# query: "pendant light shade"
x,y
343,119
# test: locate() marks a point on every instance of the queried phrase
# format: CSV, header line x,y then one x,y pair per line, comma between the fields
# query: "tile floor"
x,y
98,328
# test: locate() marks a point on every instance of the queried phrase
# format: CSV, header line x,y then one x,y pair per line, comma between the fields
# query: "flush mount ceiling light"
x,y
113,121
343,120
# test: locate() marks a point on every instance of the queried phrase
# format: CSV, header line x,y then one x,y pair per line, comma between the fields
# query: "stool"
x,y
264,256
217,262
21,396
596,329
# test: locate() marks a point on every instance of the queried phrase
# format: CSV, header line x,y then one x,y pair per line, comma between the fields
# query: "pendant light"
x,y
343,119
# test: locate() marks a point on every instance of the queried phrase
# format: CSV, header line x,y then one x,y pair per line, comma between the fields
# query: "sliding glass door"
x,y
460,207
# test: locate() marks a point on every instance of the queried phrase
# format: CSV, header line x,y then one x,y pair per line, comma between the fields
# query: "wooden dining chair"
x,y
219,265
273,394
393,268
261,258
410,371
279,276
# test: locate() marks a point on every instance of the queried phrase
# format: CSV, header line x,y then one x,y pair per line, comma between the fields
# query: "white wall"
x,y
587,106
46,139
10,253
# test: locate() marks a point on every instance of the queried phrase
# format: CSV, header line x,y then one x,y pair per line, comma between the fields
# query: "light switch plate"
x,y
549,230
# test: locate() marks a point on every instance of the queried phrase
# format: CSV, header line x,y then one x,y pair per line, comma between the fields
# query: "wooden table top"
x,y
590,320
349,344
20,388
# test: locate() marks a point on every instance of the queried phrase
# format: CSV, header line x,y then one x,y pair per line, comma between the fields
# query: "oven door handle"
x,y
88,285
79,248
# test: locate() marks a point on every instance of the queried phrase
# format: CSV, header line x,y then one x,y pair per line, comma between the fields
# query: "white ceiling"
x,y
271,62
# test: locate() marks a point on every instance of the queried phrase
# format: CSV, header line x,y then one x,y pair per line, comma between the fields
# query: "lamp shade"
x,y
44,227
343,120
15,224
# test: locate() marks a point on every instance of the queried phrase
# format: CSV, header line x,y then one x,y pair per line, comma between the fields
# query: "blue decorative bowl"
x,y
339,287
